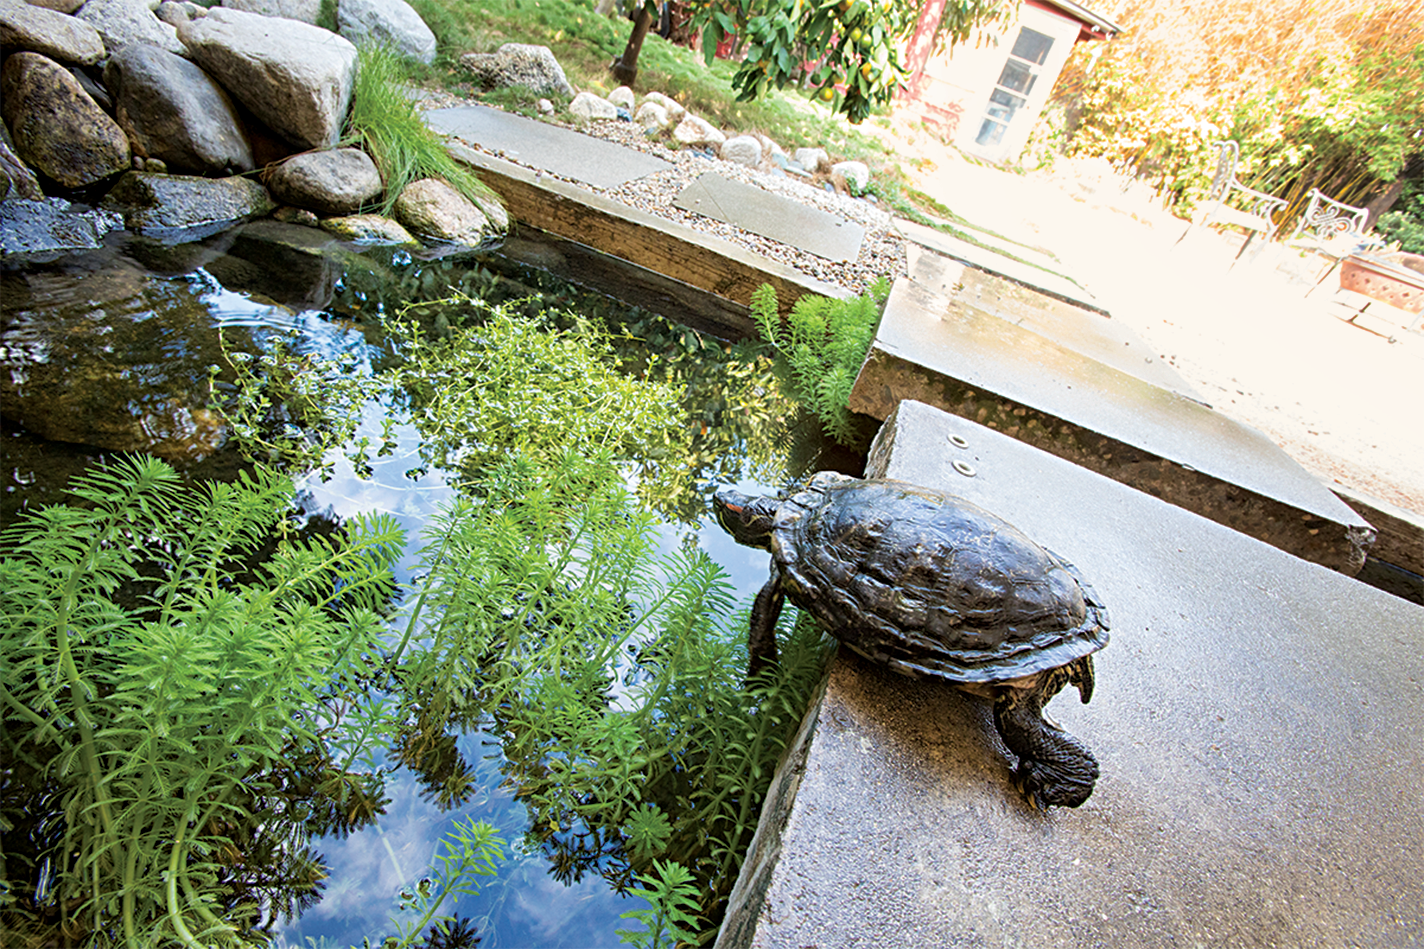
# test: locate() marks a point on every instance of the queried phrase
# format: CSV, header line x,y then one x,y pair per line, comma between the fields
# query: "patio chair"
x,y
1255,210
1333,230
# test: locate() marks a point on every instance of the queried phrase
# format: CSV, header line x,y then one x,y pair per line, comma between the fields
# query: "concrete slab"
x,y
772,216
1088,331
1032,269
554,149
1256,719
978,366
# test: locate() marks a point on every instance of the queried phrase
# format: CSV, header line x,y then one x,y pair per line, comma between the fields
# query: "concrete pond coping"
x,y
1256,718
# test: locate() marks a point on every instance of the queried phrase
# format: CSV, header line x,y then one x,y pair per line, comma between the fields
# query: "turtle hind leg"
x,y
1055,769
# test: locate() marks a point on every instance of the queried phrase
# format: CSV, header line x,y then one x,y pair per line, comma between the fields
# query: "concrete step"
x,y
1256,719
947,351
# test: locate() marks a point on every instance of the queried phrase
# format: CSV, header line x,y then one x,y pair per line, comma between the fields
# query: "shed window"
x,y
1015,83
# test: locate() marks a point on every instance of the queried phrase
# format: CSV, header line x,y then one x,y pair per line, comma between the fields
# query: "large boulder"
x,y
294,77
307,11
127,22
331,183
392,23
175,112
58,130
48,33
430,208
158,203
519,64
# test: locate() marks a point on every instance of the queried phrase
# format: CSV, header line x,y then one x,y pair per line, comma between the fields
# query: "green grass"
x,y
384,122
585,44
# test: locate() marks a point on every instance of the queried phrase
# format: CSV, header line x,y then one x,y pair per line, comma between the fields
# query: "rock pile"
x,y
159,111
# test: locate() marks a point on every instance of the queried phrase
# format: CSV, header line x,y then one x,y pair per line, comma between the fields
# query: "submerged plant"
x,y
825,341
505,382
185,698
613,677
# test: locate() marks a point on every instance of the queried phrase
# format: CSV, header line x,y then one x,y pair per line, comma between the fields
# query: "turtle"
x,y
933,586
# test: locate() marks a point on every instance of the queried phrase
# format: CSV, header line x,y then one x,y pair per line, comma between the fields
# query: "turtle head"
x,y
748,519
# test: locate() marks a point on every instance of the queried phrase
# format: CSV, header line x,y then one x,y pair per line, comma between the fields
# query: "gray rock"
x,y
368,229
742,149
488,202
48,33
307,11
151,202
674,108
854,175
59,6
126,22
519,64
332,183
176,14
49,224
695,131
652,116
95,91
545,107
175,112
16,177
296,78
57,129
392,23
291,215
588,106
812,159
430,208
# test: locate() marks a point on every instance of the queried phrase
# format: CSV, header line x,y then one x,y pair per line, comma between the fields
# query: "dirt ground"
x,y
1343,399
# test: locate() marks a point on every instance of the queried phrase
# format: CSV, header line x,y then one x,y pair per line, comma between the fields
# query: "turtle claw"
x,y
1055,784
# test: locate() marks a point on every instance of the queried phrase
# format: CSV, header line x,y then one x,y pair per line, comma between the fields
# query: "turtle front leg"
x,y
1054,767
761,635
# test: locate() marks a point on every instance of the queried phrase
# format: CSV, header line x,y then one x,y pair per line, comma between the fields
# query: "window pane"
x,y
990,133
1003,105
1032,45
1017,76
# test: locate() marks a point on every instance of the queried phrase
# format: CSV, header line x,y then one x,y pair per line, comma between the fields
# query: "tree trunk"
x,y
625,69
1383,202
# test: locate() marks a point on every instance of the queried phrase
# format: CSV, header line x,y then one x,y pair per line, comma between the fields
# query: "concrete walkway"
x,y
1256,719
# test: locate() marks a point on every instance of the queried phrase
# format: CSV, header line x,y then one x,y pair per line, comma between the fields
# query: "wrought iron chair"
x,y
1333,230
1257,210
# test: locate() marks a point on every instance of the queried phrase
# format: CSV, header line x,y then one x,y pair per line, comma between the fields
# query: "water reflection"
x,y
110,351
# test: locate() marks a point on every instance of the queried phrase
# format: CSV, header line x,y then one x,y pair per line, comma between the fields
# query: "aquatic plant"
x,y
668,919
181,674
825,341
500,381
614,678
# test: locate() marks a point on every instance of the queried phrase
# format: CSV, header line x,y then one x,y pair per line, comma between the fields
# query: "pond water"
x,y
114,346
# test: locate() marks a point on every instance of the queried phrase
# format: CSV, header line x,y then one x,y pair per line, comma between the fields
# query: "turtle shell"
x,y
931,585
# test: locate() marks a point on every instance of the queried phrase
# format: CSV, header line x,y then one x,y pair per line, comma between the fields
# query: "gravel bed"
x,y
882,253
